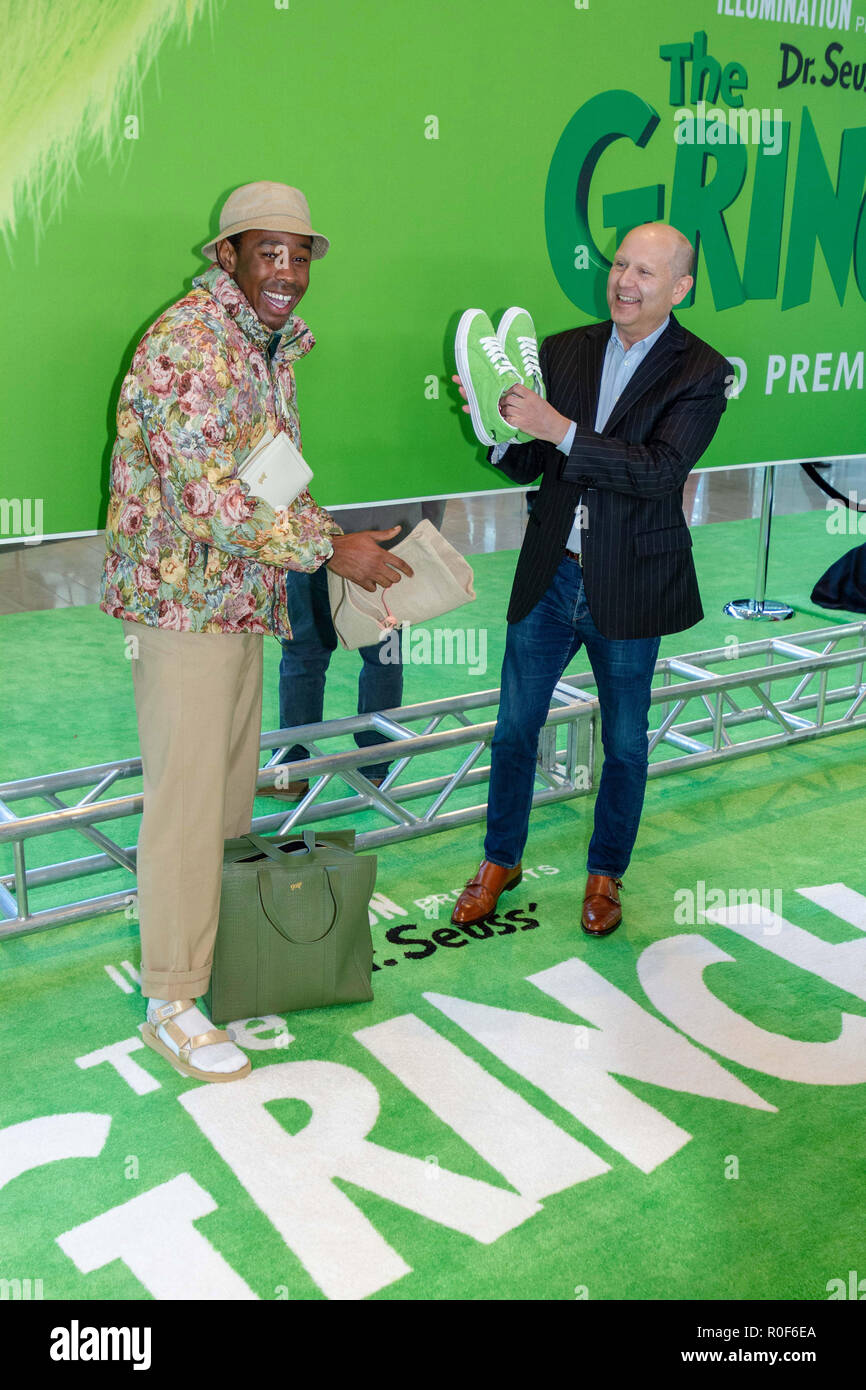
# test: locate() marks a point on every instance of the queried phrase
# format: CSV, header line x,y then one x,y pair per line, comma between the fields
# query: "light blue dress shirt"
x,y
620,365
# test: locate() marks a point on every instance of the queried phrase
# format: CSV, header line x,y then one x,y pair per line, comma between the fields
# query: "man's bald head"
x,y
651,272
680,252
683,259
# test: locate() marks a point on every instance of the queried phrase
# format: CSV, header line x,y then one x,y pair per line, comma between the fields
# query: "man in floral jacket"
x,y
194,568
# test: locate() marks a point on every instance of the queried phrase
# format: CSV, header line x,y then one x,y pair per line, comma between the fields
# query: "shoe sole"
x,y
472,921
461,354
607,931
150,1038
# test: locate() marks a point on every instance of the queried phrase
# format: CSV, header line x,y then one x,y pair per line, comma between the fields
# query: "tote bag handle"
x,y
274,916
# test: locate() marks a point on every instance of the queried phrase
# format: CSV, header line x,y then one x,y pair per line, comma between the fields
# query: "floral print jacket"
x,y
189,547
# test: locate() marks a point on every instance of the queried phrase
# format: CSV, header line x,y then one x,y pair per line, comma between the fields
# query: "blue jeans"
x,y
304,665
537,651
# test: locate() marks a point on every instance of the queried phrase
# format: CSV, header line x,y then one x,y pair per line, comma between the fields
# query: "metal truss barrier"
x,y
800,689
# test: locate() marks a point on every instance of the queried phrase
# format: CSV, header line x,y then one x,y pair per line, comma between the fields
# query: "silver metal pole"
x,y
760,608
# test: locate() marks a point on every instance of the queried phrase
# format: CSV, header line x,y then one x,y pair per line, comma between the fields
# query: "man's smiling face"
x,y
273,271
645,281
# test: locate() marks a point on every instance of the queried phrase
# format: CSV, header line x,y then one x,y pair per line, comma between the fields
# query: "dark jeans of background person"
x,y
305,661
305,658
537,651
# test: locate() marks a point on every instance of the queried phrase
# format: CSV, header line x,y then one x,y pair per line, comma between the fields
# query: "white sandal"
x,y
180,1060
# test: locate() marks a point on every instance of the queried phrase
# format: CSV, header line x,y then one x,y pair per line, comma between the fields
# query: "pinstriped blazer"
x,y
639,576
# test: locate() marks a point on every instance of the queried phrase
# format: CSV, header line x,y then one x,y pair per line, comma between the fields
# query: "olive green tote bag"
x,y
294,931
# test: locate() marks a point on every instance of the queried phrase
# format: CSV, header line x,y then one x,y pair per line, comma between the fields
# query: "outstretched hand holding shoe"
x,y
528,413
361,558
500,378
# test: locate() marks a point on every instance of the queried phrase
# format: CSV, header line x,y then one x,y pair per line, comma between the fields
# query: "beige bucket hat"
x,y
273,207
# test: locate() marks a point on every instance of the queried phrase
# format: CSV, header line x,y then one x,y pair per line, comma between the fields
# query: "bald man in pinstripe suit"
x,y
606,561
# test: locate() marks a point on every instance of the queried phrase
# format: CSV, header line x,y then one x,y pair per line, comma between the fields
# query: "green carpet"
x,y
678,1115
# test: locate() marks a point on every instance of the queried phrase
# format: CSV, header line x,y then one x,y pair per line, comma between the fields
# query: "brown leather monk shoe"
x,y
602,912
481,894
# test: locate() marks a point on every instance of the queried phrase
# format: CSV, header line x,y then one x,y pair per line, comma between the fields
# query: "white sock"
x,y
221,1057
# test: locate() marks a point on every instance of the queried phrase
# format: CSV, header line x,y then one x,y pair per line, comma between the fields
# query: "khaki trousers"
x,y
198,697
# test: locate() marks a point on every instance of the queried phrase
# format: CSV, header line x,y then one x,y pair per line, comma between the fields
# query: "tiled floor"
x,y
64,573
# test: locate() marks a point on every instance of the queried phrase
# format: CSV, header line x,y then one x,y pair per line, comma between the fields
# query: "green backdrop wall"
x,y
458,153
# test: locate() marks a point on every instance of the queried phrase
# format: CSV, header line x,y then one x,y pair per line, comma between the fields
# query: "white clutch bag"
x,y
275,471
442,581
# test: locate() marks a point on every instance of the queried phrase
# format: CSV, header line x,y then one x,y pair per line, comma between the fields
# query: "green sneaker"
x,y
516,333
486,374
